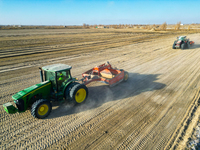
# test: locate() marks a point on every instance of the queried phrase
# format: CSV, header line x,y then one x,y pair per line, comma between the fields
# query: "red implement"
x,y
191,42
106,74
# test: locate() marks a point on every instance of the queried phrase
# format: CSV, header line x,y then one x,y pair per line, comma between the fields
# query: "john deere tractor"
x,y
56,84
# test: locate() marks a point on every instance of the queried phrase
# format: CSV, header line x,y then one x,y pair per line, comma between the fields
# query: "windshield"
x,y
50,76
182,37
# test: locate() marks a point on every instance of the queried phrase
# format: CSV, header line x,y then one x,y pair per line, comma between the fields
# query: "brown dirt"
x,y
154,109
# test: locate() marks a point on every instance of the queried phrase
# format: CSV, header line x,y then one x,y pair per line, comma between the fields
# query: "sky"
x,y
77,12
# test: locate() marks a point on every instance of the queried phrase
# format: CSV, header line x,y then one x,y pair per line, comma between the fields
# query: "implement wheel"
x,y
41,108
126,76
78,93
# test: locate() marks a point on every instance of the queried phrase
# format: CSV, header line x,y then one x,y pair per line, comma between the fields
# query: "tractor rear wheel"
x,y
78,93
183,46
126,75
68,89
41,108
188,44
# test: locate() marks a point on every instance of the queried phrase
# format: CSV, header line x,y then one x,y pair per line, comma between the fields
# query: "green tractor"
x,y
182,42
56,84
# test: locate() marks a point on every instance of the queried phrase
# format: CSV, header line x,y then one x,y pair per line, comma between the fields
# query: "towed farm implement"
x,y
57,84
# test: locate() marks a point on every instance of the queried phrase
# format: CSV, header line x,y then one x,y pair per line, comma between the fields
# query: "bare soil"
x,y
156,108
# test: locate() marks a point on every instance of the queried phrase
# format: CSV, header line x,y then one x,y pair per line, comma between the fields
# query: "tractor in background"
x,y
182,42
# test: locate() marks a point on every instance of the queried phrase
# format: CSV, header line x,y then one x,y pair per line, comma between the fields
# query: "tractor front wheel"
x,y
41,108
174,46
78,93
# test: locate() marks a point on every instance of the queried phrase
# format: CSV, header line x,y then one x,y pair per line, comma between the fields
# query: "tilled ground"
x,y
154,109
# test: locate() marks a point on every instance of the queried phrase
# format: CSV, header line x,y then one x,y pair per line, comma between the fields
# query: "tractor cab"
x,y
181,38
58,74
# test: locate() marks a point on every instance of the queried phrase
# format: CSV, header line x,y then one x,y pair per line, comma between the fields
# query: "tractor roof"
x,y
181,37
56,67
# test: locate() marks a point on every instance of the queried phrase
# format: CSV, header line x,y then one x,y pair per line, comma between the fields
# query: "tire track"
x,y
36,50
144,111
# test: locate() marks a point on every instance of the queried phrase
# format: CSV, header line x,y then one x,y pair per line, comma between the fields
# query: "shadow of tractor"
x,y
195,46
98,95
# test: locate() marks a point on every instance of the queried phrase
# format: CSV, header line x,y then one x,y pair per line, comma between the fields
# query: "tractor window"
x,y
63,75
50,76
62,78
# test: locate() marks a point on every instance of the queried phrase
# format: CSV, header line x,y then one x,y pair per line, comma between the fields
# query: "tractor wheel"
x,y
126,76
183,46
174,46
41,108
68,89
78,93
188,45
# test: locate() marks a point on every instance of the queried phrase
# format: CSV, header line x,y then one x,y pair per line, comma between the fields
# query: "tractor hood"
x,y
31,89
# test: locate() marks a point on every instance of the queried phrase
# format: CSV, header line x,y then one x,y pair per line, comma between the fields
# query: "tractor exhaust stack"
x,y
41,75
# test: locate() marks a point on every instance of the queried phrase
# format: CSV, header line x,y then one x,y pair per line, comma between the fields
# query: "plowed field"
x,y
155,109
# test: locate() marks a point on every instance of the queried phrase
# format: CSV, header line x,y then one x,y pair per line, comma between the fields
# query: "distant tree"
x,y
148,27
189,27
163,26
84,25
178,25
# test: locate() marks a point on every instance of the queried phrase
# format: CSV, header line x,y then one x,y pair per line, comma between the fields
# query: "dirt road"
x,y
152,110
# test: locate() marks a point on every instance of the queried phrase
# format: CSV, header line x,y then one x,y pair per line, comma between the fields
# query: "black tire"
x,y
174,46
41,108
68,89
183,46
126,75
188,45
78,93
